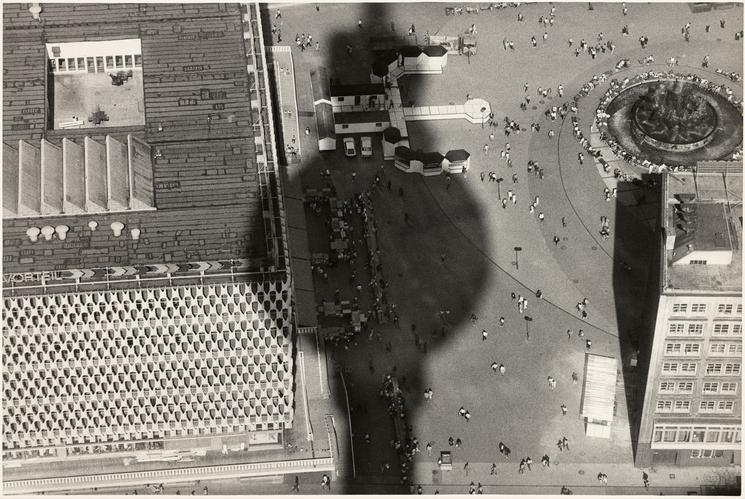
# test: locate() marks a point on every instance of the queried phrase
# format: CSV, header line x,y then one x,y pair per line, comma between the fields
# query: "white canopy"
x,y
600,388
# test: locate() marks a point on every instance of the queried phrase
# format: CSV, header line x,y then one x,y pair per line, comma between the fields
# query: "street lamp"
x,y
528,320
499,191
517,261
483,116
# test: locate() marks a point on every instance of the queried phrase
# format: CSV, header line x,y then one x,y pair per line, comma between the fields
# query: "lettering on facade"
x,y
193,67
167,186
187,36
187,102
207,94
19,277
31,110
208,35
20,126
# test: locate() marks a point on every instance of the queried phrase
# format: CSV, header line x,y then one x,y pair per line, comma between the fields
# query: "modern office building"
x,y
692,411
147,294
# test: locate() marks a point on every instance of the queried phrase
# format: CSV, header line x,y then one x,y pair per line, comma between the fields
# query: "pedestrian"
x,y
484,334
588,343
278,15
502,369
645,477
458,442
429,448
563,221
307,130
296,486
359,22
326,482
493,469
541,216
521,469
466,468
451,441
494,367
565,443
556,240
546,461
551,382
575,378
563,410
529,463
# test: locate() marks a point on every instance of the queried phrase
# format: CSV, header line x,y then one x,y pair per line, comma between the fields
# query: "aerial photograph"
x,y
380,248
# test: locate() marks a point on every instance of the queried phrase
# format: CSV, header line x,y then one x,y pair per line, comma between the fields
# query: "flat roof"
x,y
198,122
357,89
363,117
319,82
703,226
709,206
325,120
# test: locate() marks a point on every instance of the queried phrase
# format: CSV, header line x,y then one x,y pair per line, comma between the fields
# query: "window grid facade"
x,y
702,436
126,365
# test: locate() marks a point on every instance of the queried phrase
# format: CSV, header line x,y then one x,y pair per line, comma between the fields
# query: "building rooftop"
x,y
700,227
357,89
319,82
199,125
363,117
704,212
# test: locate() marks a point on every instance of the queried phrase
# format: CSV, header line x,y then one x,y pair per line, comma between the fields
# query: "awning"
x,y
600,388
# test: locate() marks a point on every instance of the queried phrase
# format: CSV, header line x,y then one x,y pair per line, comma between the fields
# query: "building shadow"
x,y
417,281
636,286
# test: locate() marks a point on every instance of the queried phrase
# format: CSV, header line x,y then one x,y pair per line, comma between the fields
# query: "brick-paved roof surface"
x,y
198,122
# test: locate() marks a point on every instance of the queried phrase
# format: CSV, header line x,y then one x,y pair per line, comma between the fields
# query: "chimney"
x,y
35,10
33,233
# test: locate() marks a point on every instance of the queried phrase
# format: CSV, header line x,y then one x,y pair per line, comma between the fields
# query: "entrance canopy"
x,y
600,388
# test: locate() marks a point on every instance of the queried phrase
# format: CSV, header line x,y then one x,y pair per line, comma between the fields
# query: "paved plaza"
x,y
448,245
486,276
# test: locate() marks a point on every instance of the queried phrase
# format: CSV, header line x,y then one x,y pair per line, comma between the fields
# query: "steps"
x,y
41,178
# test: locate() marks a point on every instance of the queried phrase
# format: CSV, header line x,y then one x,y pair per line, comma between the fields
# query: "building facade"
x,y
692,411
134,331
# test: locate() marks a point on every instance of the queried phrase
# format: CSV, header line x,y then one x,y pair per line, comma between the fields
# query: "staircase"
x,y
41,178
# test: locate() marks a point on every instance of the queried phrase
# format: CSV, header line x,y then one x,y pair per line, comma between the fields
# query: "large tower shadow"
x,y
418,283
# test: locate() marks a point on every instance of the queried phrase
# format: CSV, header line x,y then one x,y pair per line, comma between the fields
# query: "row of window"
x,y
706,453
710,387
694,349
685,434
676,328
690,368
705,406
700,308
96,64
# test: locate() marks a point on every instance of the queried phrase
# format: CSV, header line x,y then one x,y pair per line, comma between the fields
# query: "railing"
x,y
171,475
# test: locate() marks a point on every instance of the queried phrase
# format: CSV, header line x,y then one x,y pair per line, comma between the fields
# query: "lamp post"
x,y
518,249
499,191
528,320
483,116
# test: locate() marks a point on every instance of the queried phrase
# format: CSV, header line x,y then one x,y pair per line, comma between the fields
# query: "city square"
x,y
457,236
473,303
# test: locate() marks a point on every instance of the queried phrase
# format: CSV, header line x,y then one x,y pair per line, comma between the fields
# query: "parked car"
x,y
366,147
349,150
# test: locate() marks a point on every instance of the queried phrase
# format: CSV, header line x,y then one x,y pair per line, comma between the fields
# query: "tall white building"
x,y
692,411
